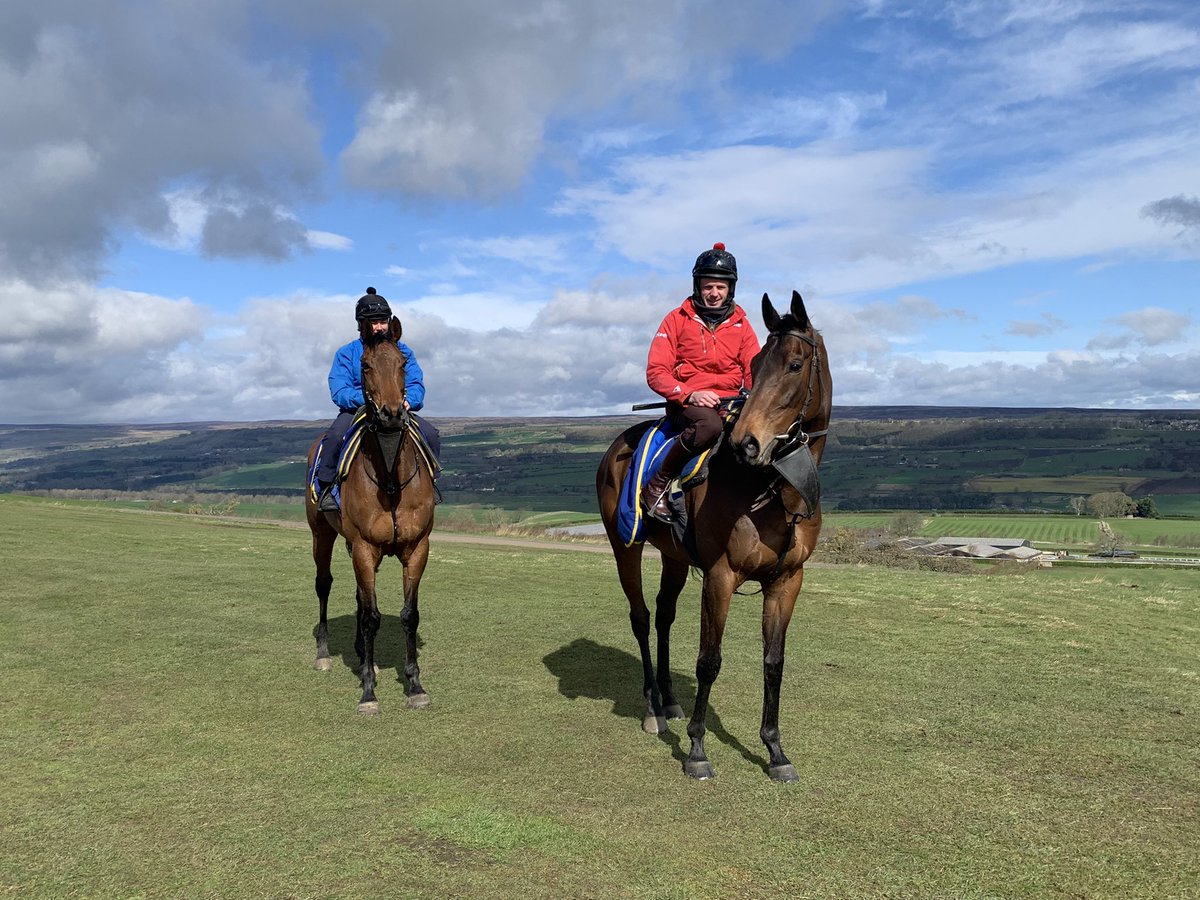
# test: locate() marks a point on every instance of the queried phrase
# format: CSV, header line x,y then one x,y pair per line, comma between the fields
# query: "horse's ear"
x,y
799,313
395,328
770,317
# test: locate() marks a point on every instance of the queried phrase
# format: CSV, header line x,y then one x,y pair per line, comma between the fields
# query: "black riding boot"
x,y
654,492
325,499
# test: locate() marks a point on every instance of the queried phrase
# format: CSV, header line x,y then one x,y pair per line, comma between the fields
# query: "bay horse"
x,y
387,501
750,523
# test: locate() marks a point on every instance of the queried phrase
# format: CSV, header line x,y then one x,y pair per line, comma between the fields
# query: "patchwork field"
x,y
908,458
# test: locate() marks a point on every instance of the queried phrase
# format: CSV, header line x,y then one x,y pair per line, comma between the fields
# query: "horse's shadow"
x,y
587,669
389,643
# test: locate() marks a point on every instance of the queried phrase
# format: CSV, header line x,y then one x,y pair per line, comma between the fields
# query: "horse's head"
x,y
383,376
792,392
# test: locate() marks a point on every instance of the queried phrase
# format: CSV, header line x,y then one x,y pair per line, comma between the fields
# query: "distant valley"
x,y
878,458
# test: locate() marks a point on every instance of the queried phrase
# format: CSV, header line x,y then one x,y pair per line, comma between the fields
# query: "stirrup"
x,y
660,509
326,501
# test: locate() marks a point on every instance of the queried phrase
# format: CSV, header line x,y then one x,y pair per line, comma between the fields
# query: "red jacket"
x,y
686,355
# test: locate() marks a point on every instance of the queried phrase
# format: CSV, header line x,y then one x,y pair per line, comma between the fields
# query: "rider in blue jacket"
x,y
345,388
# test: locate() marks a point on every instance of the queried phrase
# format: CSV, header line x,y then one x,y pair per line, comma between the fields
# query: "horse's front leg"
x,y
366,561
779,599
410,618
674,577
714,611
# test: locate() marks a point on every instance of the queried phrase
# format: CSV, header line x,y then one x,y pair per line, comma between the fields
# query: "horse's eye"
x,y
795,366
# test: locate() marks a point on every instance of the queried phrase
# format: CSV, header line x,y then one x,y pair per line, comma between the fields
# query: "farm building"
x,y
977,548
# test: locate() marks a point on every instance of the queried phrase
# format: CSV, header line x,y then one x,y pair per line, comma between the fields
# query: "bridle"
x,y
792,441
390,440
796,436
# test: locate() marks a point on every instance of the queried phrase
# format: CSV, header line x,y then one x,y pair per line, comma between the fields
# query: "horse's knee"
x,y
369,619
639,621
410,618
773,672
708,667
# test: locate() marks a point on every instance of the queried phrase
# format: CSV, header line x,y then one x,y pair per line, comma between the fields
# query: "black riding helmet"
x,y
371,307
715,263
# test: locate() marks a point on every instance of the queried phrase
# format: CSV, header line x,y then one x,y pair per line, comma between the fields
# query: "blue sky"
x,y
983,203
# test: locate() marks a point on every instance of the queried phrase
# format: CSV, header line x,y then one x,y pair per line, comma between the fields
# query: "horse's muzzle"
x,y
386,420
750,452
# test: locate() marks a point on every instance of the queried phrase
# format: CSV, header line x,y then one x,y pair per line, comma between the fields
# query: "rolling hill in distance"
x,y
890,457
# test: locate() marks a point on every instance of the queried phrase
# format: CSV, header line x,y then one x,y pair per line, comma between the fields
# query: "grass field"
x,y
1056,531
1084,485
1061,530
163,734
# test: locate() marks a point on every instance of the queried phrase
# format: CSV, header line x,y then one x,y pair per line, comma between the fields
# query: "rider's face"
x,y
713,292
379,326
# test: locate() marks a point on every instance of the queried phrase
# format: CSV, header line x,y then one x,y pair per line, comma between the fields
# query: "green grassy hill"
x,y
877,458
973,736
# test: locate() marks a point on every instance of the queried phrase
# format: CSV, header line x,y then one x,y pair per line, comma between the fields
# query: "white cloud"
x,y
465,101
327,240
1154,325
913,145
478,312
107,109
1048,324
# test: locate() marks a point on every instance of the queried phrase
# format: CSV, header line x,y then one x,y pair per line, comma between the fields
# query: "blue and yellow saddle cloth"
x,y
651,450
349,449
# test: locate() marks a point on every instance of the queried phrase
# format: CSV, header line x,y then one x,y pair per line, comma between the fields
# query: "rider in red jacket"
x,y
701,353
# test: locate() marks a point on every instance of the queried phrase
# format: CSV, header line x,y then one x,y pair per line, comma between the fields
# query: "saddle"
x,y
349,450
650,452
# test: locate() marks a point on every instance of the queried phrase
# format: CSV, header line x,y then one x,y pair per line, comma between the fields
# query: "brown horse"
x,y
756,518
387,501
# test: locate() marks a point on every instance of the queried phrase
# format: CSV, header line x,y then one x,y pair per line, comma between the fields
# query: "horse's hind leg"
x,y
410,618
323,540
629,570
674,577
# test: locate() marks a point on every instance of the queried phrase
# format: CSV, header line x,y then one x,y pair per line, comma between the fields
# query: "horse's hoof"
x,y
370,708
323,664
418,701
701,771
784,774
654,725
674,711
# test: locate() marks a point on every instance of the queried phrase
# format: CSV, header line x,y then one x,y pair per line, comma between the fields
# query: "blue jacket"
x,y
345,377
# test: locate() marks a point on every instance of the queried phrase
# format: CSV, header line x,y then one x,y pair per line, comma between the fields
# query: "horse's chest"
x,y
758,543
381,529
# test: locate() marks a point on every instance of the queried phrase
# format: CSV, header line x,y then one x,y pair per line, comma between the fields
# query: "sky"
x,y
983,202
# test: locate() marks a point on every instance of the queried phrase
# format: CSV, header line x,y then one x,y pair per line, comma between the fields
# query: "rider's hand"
x,y
704,398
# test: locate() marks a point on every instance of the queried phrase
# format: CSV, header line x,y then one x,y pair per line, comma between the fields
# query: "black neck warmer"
x,y
713,316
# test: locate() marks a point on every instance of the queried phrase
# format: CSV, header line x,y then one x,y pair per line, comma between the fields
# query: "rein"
x,y
390,443
394,439
794,441
796,436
